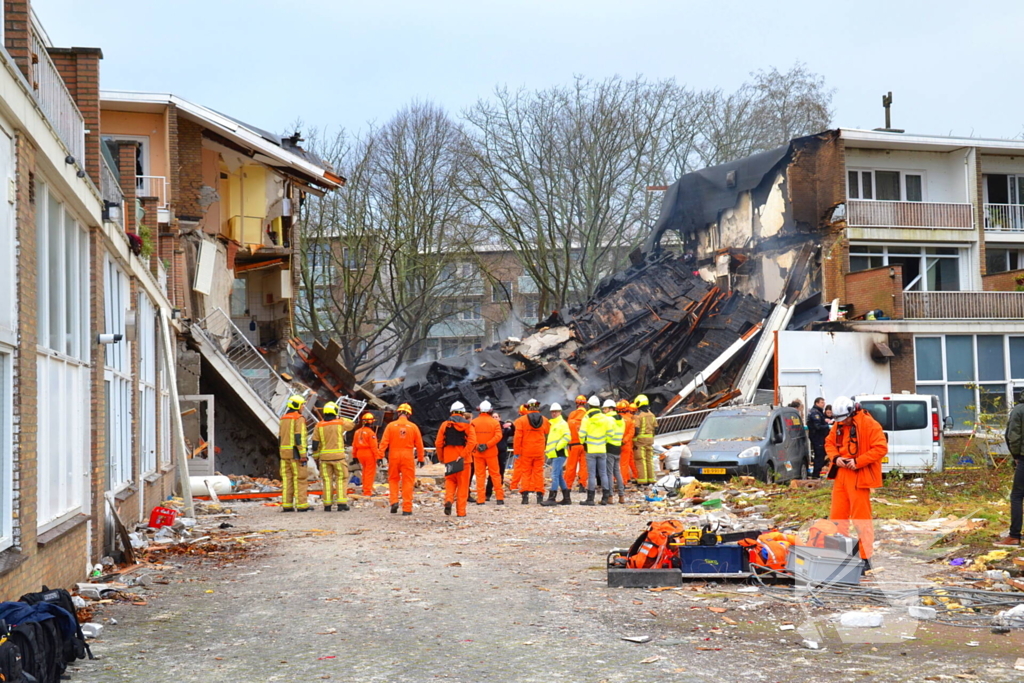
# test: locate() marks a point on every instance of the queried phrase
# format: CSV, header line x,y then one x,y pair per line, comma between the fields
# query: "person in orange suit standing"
x,y
530,442
403,443
456,441
517,472
855,447
626,410
366,451
576,463
485,458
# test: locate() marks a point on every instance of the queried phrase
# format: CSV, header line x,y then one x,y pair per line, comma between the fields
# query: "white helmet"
x,y
594,401
842,408
608,403
555,406
457,407
485,406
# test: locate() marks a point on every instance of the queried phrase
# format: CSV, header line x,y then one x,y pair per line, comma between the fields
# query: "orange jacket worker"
x,y
403,443
856,446
456,440
366,450
576,463
485,457
529,444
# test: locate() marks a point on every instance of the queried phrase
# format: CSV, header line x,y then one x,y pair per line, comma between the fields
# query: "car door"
x,y
799,445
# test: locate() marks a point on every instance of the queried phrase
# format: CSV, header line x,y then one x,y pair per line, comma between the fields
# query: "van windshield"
x,y
733,428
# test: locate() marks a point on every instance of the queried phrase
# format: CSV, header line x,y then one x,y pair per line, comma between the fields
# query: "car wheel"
x,y
770,475
802,474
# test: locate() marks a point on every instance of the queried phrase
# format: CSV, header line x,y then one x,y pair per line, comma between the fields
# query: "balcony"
x,y
1004,218
54,99
152,186
883,214
110,190
963,305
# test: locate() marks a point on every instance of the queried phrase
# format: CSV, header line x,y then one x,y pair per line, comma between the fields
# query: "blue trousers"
x,y
557,480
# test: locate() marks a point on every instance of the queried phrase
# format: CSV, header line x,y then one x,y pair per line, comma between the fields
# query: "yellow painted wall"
x,y
138,123
244,195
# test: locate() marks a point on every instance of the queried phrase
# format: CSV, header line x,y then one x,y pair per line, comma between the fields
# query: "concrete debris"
x,y
861,619
811,644
1011,618
921,612
92,630
95,591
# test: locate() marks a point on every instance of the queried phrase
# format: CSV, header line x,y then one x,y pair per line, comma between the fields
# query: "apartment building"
x,y
926,229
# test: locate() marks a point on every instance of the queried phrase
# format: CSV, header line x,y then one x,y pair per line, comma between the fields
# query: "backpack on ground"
x,y
818,531
770,550
651,550
76,647
10,658
38,658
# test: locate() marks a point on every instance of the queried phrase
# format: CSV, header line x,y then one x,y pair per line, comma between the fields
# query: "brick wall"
x,y
126,154
80,69
875,288
190,171
902,373
98,318
816,178
17,25
835,263
1001,282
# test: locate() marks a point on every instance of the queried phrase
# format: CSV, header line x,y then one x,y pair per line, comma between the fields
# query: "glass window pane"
x,y
911,415
991,363
880,410
996,260
1017,357
961,406
959,359
858,263
992,399
914,191
887,185
55,266
939,392
943,275
854,188
866,185
928,354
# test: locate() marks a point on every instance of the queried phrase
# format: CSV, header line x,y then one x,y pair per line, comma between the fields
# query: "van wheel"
x,y
802,474
770,475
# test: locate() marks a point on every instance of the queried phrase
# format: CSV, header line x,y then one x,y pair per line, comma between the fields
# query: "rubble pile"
x,y
703,504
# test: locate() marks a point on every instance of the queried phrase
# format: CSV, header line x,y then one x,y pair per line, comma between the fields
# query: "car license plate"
x,y
712,470
885,459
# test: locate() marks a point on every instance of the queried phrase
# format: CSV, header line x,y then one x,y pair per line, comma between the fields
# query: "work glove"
x,y
481,447
420,464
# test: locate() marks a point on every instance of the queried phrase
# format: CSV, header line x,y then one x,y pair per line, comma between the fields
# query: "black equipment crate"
x,y
621,577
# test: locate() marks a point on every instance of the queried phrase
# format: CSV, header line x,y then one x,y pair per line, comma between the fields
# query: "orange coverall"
x,y
404,445
367,452
577,452
485,463
626,460
456,486
529,444
865,443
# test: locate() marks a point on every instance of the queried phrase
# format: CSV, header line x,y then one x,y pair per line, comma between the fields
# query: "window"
x,y
6,450
501,291
239,298
148,349
925,269
970,374
531,307
117,381
880,411
63,292
888,186
318,260
353,257
470,309
1001,260
165,422
911,415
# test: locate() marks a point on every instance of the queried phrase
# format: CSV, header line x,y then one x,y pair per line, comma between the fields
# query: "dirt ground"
x,y
513,593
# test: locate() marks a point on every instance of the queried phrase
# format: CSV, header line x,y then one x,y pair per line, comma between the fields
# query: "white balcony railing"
x,y
56,102
152,186
963,305
881,214
110,190
1004,217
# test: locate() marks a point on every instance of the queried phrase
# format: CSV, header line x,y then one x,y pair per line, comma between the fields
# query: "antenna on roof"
x,y
886,104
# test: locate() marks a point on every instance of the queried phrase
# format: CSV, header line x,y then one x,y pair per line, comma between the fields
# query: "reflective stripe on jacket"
x,y
594,431
292,433
646,424
558,437
329,437
618,429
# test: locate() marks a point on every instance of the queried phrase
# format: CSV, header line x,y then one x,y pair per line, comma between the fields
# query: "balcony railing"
x,y
1004,217
110,190
964,305
152,186
55,100
882,214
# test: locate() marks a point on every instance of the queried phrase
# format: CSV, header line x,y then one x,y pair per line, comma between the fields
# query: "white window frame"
x,y
118,380
962,255
6,446
1008,249
860,171
8,302
502,292
147,384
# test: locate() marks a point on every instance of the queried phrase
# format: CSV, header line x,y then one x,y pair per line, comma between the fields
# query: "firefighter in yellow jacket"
x,y
329,451
292,444
643,452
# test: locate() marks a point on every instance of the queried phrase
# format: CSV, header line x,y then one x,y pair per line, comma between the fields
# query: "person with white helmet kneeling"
x,y
855,447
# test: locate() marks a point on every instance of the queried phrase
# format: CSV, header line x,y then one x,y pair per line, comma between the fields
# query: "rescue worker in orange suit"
x,y
626,410
530,442
485,457
292,450
507,430
855,446
366,450
576,463
403,443
517,472
456,440
329,452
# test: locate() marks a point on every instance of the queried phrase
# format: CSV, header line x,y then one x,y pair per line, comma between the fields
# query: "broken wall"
x,y
243,445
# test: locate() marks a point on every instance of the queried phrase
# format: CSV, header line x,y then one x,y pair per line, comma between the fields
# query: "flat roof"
x,y
878,139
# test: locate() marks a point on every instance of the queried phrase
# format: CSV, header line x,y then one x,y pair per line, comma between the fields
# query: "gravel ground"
x,y
513,593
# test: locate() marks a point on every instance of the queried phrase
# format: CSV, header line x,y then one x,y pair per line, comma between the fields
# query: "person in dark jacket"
x,y
817,430
1015,442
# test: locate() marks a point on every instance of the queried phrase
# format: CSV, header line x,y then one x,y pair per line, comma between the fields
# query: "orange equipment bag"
x,y
651,550
818,531
770,550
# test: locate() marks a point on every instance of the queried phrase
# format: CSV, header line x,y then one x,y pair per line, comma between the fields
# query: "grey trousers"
x,y
596,472
614,472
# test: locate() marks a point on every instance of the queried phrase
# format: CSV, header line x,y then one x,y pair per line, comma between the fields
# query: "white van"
x,y
913,426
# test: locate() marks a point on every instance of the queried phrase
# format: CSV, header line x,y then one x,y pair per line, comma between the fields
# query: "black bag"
x,y
38,656
454,437
74,648
454,467
10,658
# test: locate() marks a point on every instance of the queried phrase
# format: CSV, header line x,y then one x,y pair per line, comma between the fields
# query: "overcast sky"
x,y
953,66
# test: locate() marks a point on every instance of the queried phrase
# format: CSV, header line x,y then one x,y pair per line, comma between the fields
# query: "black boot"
x,y
540,498
566,498
606,498
343,507
526,498
589,500
327,508
394,508
407,514
448,509
287,509
551,499
501,502
583,489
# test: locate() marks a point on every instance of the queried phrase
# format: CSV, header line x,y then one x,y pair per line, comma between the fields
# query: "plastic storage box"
x,y
842,543
717,559
823,566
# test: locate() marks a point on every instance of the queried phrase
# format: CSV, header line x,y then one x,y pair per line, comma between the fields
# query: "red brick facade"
x,y
80,69
1002,282
874,289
